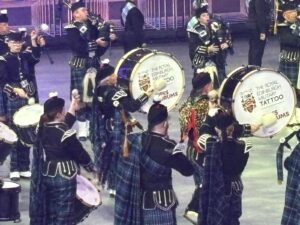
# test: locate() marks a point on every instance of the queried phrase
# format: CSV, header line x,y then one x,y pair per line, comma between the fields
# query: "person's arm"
x,y
75,41
261,17
178,161
137,20
75,149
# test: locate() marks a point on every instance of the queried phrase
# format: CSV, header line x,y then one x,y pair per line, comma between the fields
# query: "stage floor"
x,y
263,198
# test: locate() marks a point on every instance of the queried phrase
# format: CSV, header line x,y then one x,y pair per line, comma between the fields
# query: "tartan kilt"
x,y
2,103
12,106
158,216
77,76
291,70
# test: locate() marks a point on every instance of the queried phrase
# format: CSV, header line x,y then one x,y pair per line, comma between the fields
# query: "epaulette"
x,y
68,134
117,96
248,145
203,139
70,26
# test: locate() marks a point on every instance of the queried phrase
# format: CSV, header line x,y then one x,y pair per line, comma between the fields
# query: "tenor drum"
x,y
87,198
139,69
7,139
252,92
9,202
26,120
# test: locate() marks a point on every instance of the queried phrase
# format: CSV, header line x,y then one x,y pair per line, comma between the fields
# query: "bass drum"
x,y
252,92
139,69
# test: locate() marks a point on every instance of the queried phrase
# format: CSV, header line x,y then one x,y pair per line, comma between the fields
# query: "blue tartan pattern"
x,y
128,190
106,157
19,154
128,207
213,189
291,212
291,70
158,216
2,103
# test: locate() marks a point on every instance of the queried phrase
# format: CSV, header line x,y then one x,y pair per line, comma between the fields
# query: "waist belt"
x,y
67,169
289,56
162,199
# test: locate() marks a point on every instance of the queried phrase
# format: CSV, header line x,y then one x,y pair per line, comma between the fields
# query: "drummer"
x,y
17,71
111,109
56,155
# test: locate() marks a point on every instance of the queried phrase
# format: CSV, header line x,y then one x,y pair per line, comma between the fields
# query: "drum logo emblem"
x,y
144,82
248,102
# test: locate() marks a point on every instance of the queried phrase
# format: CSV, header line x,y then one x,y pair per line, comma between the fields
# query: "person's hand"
x,y
41,41
20,92
149,92
262,36
101,42
2,119
213,49
224,46
76,103
113,36
255,127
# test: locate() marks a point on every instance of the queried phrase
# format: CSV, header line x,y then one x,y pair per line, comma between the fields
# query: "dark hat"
x,y
200,80
77,5
223,119
157,114
288,5
15,36
199,11
53,104
3,16
105,71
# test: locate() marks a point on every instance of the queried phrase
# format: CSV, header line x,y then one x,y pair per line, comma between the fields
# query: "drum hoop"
x,y
82,201
27,126
6,141
123,58
154,52
249,74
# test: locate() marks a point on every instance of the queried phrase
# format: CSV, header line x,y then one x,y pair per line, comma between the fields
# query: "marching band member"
x,y
111,111
225,159
192,113
258,24
57,152
133,21
17,71
145,194
87,45
4,31
289,43
200,47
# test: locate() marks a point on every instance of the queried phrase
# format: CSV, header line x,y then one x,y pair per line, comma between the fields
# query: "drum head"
x,y
28,115
263,92
86,192
7,135
153,67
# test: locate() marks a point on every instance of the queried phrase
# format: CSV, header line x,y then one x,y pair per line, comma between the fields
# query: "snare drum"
x,y
26,120
252,92
9,202
7,139
139,69
87,198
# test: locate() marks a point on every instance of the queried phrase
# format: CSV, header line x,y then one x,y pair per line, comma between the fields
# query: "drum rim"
x,y
14,133
124,57
266,69
27,126
144,58
81,200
